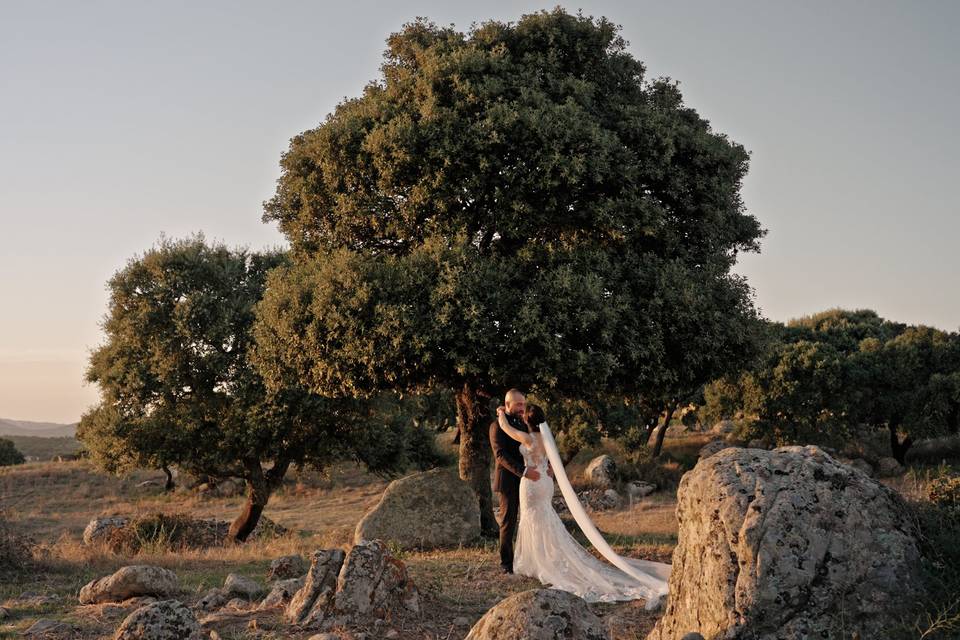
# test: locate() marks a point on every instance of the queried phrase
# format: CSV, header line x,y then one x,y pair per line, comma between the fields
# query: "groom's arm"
x,y
509,462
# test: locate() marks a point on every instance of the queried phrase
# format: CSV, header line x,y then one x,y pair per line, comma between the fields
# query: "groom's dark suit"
x,y
506,482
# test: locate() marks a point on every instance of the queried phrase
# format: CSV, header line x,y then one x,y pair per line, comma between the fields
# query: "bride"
x,y
545,550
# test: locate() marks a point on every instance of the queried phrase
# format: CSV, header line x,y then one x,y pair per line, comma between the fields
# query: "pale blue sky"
x,y
122,121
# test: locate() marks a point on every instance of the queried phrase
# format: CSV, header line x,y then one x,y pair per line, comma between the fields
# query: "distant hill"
x,y
36,429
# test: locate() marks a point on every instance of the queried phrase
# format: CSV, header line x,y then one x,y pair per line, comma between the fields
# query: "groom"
x,y
507,473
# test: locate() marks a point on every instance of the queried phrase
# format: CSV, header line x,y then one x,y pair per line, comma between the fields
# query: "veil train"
x,y
654,575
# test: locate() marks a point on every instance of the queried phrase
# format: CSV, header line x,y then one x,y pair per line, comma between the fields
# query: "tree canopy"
x,y
178,388
829,374
513,206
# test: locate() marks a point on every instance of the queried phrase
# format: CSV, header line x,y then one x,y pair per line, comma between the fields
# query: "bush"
x,y
945,492
938,526
14,550
160,533
9,454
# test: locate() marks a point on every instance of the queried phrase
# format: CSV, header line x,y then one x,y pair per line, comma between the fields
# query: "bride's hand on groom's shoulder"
x,y
501,410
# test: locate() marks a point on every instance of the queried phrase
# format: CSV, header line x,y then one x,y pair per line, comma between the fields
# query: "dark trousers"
x,y
507,514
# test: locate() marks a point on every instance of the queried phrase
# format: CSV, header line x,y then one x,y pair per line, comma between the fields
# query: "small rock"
x,y
601,471
99,529
693,635
392,633
287,567
46,626
236,603
130,581
163,620
639,489
324,636
461,621
242,586
612,496
282,592
212,599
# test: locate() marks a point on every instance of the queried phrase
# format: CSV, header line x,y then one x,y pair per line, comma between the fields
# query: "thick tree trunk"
x,y
668,416
260,486
169,486
898,448
473,422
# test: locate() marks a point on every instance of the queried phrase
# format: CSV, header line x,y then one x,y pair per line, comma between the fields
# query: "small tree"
x,y
178,388
9,454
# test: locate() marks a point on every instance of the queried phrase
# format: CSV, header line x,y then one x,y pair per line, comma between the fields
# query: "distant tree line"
x,y
827,377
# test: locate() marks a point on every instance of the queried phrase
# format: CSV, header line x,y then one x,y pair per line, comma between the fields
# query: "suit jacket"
x,y
506,452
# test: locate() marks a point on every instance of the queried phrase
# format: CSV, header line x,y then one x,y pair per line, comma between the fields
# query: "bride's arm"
x,y
516,434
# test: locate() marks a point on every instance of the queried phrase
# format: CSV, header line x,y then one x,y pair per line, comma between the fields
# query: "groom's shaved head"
x,y
515,402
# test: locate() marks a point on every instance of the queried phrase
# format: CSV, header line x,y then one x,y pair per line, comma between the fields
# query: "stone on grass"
x,y
425,510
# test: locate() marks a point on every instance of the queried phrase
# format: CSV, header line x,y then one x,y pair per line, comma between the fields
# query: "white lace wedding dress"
x,y
545,550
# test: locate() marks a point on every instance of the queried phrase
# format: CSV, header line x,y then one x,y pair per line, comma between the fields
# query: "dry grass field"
x,y
50,503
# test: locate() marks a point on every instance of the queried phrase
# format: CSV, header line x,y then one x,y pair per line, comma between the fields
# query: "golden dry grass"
x,y
51,503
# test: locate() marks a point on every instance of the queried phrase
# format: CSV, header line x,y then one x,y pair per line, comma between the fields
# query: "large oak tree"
x,y
513,206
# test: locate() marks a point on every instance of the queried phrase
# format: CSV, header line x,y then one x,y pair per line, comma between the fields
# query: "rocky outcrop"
x,y
785,543
319,584
539,614
163,620
129,582
424,511
601,472
372,585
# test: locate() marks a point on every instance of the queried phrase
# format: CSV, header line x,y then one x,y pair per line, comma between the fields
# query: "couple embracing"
x,y
527,463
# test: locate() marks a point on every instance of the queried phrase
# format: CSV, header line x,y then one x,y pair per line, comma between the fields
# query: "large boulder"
x,y
163,620
600,472
130,582
539,614
423,511
782,544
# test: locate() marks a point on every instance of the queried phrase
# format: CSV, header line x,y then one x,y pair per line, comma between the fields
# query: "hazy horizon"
x,y
125,121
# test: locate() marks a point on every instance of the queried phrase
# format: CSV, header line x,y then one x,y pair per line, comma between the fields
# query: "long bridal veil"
x,y
653,575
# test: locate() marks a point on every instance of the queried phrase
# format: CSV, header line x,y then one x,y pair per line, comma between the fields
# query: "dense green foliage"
x,y
826,376
513,206
9,454
178,388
